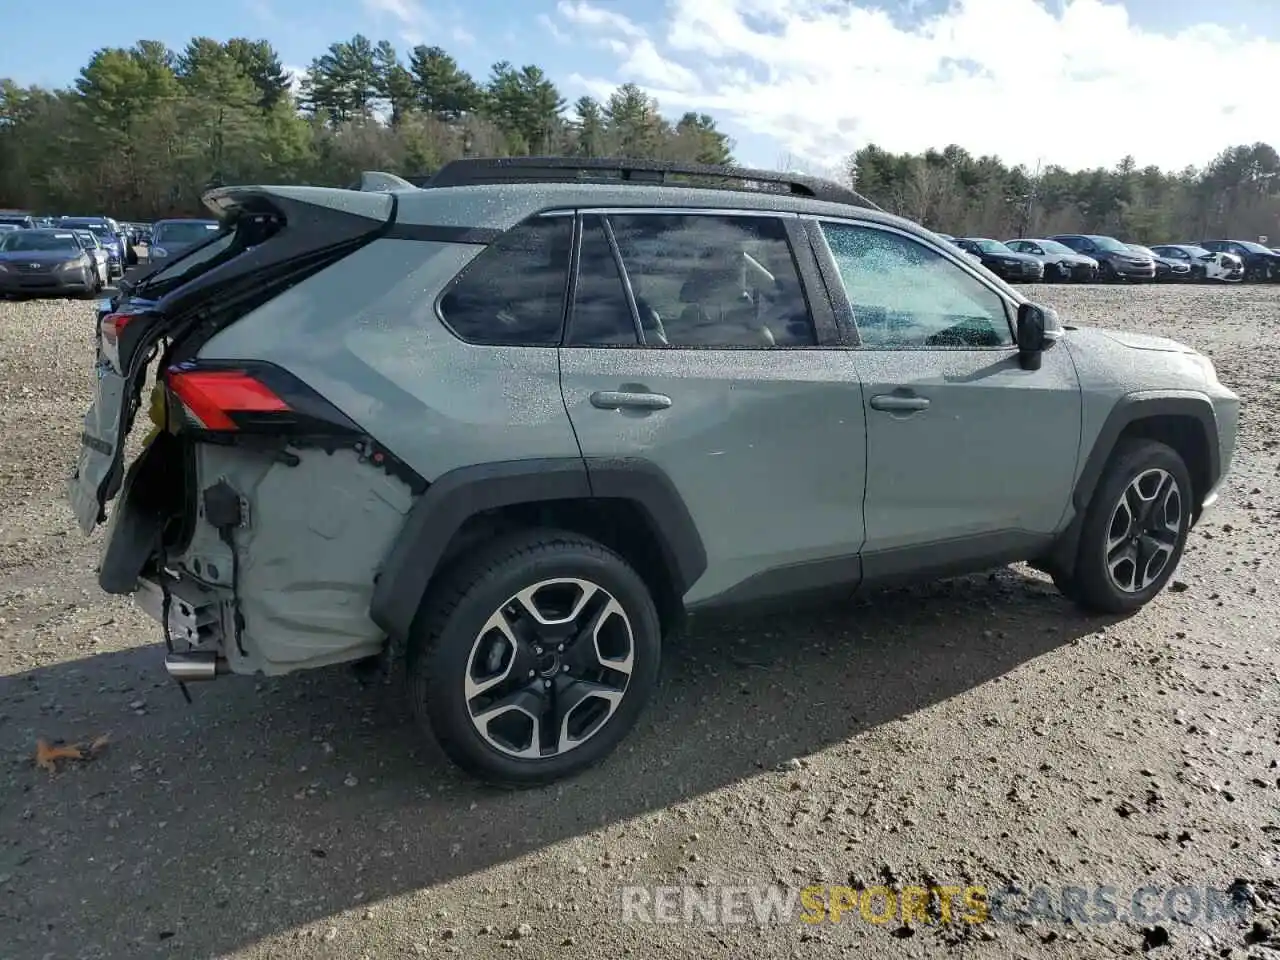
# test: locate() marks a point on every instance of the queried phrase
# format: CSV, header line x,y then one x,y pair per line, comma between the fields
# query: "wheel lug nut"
x,y
533,673
565,668
546,684
560,648
537,650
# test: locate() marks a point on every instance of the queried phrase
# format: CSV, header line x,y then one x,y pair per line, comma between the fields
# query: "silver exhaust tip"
x,y
190,667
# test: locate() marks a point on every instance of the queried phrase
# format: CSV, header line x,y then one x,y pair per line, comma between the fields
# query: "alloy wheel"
x,y
1144,530
549,668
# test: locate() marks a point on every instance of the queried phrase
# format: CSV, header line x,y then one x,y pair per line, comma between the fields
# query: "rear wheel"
x,y
535,657
1134,530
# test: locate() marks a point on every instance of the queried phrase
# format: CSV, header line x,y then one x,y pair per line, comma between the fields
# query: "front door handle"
x,y
897,403
622,400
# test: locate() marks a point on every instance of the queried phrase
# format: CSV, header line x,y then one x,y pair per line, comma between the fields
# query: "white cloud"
x,y
1081,86
410,15
639,59
549,25
587,15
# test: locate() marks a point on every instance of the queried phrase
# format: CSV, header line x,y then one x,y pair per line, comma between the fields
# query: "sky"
x,y
799,83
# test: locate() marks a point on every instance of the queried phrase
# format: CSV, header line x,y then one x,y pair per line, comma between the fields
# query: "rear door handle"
x,y
620,400
898,403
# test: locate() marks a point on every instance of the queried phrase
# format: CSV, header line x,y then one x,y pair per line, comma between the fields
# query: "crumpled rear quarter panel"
x,y
316,534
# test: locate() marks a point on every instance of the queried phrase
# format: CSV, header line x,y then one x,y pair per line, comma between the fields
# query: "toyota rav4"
x,y
507,426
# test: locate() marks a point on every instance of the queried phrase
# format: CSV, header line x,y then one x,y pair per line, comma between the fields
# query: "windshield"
x,y
185,231
89,237
1254,247
991,246
1110,245
37,240
1053,246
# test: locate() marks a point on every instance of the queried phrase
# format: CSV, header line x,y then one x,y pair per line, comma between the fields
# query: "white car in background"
x,y
1205,265
101,260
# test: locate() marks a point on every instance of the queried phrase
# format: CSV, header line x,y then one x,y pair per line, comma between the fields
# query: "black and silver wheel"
x,y
536,657
1135,529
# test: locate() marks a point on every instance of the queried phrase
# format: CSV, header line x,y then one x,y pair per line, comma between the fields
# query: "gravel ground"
x,y
971,732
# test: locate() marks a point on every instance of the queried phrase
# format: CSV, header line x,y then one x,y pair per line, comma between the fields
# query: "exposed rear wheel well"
x,y
619,524
1185,434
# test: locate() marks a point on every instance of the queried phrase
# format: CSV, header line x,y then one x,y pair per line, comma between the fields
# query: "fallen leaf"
x,y
46,755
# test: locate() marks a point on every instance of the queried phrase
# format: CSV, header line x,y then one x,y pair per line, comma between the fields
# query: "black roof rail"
x,y
491,170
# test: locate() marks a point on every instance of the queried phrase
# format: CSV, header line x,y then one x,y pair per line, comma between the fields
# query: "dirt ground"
x,y
976,732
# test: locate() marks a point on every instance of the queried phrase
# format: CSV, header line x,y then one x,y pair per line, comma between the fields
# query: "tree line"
x,y
144,131
1236,195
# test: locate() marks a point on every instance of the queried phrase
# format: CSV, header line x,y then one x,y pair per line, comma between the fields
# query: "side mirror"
x,y
1038,330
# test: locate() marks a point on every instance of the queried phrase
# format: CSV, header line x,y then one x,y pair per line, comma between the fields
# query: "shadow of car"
x,y
280,803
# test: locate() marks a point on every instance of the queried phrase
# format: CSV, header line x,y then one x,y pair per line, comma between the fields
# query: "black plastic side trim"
x,y
1129,410
429,233
952,558
1141,406
796,583
460,494
647,486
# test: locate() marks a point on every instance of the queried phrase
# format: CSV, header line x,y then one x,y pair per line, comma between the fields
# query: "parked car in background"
x,y
952,240
110,236
1060,261
1003,262
93,246
1201,263
1115,260
1260,263
15,218
1167,268
36,261
169,238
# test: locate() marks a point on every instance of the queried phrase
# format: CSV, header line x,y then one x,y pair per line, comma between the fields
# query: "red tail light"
x,y
112,326
214,397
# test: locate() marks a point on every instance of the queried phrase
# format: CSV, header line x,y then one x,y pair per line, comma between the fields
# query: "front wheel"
x,y
1134,530
536,656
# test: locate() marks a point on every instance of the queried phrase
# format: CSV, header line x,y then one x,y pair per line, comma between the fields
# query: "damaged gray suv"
x,y
509,425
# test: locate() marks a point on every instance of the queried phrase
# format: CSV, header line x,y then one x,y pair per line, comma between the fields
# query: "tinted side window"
x,y
714,281
601,314
512,294
904,294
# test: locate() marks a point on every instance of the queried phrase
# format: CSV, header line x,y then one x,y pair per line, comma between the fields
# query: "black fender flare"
x,y
456,496
1130,409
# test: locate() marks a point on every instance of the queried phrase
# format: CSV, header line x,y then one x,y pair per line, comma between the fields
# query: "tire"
x,y
451,643
1092,585
1106,273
